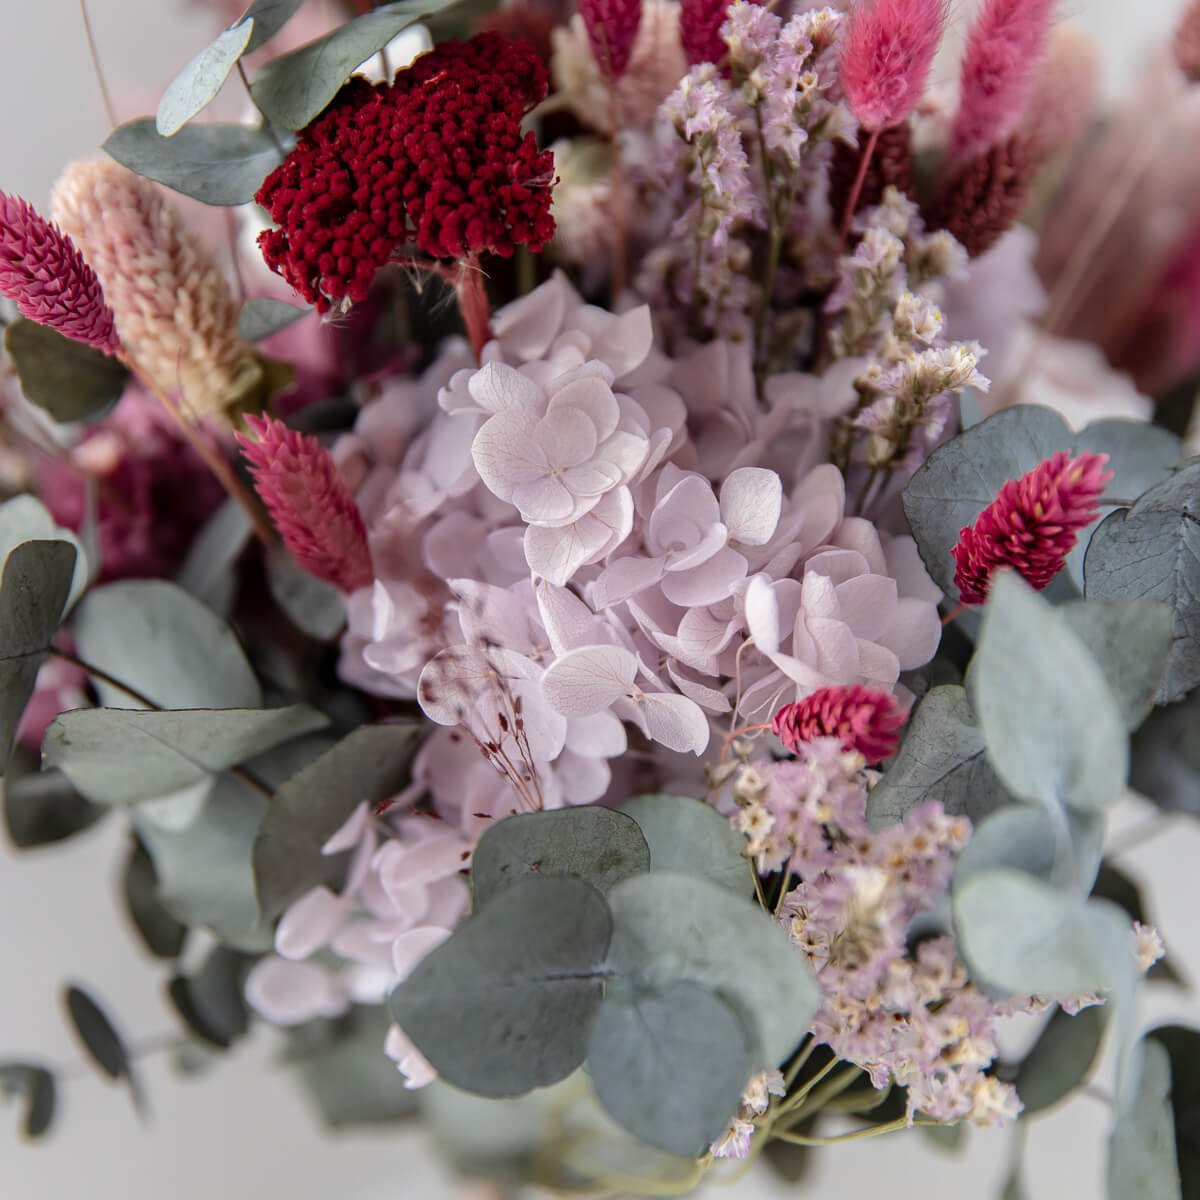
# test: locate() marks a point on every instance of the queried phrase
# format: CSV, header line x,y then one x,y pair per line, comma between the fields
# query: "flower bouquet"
x,y
581,638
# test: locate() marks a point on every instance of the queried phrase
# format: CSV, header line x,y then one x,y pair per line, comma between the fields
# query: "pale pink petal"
x,y
625,577
855,533
837,565
584,778
496,388
348,836
751,502
914,633
544,499
411,1062
762,614
675,722
625,451
706,543
310,923
411,947
290,993
837,649
527,326
599,736
624,341
506,453
568,621
868,604
707,697
708,583
588,680
567,437
904,565
557,553
877,665
591,396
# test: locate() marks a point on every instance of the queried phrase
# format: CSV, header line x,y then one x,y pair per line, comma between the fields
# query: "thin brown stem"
x,y
473,305
856,189
268,128
106,96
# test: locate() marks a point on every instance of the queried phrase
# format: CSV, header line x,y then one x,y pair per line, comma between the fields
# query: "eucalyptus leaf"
x,y
352,1083
265,315
1182,1045
1141,1148
1152,551
204,871
506,1004
594,844
690,837
166,644
293,89
99,1037
671,928
160,932
70,381
1165,766
1113,884
129,756
1027,679
313,606
1131,641
368,766
215,164
26,519
1061,1059
36,1085
670,1066
269,16
941,758
34,590
1021,836
208,571
197,85
41,808
212,1002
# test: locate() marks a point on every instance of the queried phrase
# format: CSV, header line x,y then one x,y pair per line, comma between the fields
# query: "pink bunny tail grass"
x,y
612,27
1186,46
999,69
298,481
886,57
1064,91
44,274
865,719
1032,524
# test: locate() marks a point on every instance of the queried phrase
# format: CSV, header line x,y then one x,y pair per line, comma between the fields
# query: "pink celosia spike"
x,y
42,271
700,24
1032,524
886,57
612,27
309,502
1186,47
865,719
999,69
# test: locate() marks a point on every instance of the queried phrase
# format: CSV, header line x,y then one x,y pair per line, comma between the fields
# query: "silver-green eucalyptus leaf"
x,y
197,85
1141,1149
269,17
265,315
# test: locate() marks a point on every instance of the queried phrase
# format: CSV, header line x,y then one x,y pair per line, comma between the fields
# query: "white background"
x,y
242,1132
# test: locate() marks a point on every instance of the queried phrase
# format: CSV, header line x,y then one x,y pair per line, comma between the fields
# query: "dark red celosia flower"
x,y
43,273
865,719
308,500
436,158
612,27
700,24
1032,524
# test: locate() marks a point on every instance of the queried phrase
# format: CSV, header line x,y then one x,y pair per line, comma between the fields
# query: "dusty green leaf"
x,y
1182,1045
315,607
1061,1059
265,315
41,808
197,85
1165,766
1141,1148
212,1002
71,381
208,571
160,932
36,1086
690,837
99,1037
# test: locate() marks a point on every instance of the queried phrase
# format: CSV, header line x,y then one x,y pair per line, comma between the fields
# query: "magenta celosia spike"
x,y
612,27
42,271
999,69
700,24
1032,524
886,57
865,719
309,502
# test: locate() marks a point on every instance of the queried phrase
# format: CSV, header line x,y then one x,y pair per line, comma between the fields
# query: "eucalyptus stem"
x,y
857,1135
268,127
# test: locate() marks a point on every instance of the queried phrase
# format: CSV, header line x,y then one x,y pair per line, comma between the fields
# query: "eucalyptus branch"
x,y
857,1135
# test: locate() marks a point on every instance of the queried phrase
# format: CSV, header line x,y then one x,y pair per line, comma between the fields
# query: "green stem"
x,y
857,1135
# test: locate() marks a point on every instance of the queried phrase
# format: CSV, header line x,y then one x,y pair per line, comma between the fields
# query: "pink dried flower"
x,y
999,69
42,271
886,57
612,27
309,502
865,719
1186,47
700,24
1064,91
1031,525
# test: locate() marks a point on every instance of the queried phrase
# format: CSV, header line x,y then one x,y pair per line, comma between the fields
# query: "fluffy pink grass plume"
x,y
864,719
700,24
612,27
1032,525
1064,90
886,57
309,502
42,271
999,69
1186,47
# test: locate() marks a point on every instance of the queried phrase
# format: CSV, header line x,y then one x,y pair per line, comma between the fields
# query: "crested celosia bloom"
x,y
999,68
612,27
309,502
45,275
175,311
864,719
1032,525
436,158
886,57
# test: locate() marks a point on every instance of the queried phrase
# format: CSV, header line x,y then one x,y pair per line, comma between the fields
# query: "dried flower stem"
x,y
857,1135
473,305
106,96
266,121
856,189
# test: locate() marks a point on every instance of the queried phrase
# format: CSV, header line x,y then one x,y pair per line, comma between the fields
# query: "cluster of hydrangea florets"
x,y
437,158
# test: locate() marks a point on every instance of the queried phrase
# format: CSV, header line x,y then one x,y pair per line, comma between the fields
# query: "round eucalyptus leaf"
x,y
1061,1059
670,928
36,1086
690,837
99,1037
71,381
197,85
506,1004
212,1003
160,932
1141,1148
594,844
265,315
269,17
26,519
41,807
1027,679
671,1066
315,607
1182,1045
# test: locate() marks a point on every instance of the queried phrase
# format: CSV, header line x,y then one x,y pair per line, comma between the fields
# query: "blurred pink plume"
x,y
999,70
612,27
886,57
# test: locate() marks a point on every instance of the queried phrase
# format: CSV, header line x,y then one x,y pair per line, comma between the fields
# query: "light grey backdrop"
x,y
241,1132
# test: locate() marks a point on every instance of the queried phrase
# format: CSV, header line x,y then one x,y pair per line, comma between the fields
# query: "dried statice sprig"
x,y
45,275
312,507
1032,525
999,69
175,312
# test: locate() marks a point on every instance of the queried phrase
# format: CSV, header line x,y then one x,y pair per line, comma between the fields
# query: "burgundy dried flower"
x,y
42,271
700,24
1031,525
612,27
890,166
865,719
309,502
886,57
999,69
436,158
